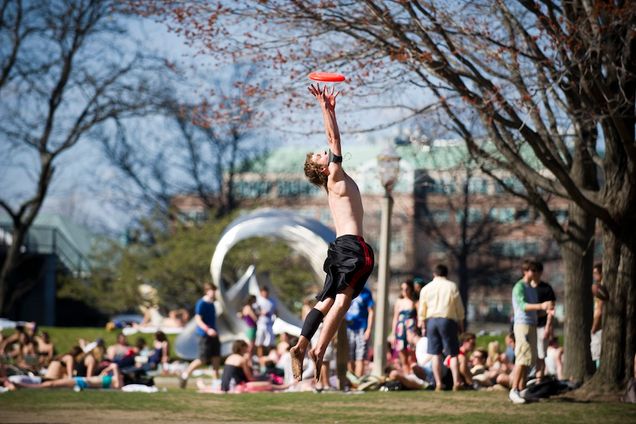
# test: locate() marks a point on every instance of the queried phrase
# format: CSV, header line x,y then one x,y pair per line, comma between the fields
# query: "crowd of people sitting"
x,y
484,367
429,348
31,356
29,359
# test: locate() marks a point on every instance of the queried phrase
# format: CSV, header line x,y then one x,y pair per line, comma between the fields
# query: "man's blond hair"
x,y
315,172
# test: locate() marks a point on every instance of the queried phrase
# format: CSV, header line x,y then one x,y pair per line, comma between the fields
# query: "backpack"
x,y
138,377
548,387
390,386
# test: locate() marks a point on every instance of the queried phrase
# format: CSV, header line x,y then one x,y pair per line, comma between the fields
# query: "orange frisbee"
x,y
326,77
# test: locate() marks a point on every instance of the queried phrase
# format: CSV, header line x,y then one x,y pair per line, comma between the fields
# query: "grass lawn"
x,y
66,337
178,406
187,406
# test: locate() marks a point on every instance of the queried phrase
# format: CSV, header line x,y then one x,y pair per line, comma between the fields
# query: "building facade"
x,y
445,211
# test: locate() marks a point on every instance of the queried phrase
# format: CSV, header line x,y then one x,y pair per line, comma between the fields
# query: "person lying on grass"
x,y
109,378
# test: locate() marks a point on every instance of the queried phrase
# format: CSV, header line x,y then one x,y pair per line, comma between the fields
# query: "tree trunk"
x,y
628,260
617,352
462,283
9,265
577,252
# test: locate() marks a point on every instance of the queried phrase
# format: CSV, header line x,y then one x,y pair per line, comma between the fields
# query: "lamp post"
x,y
389,168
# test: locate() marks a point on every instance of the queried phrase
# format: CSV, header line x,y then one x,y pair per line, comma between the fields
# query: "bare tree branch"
x,y
56,90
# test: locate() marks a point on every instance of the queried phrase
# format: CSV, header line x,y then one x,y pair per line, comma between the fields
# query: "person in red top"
x,y
466,348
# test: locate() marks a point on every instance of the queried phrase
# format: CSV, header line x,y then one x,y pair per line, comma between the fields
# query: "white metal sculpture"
x,y
307,236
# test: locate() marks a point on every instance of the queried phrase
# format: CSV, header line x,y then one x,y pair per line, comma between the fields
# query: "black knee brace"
x,y
312,322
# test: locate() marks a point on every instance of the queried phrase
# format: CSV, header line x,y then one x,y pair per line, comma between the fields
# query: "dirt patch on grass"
x,y
113,416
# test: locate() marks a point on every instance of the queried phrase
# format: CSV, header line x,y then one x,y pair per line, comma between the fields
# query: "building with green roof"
x,y
445,210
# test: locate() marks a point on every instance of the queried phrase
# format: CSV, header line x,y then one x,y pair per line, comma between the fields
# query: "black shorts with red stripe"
x,y
349,263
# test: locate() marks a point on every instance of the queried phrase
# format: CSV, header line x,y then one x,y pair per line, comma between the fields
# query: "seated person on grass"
x,y
237,373
410,381
74,363
45,349
110,378
118,350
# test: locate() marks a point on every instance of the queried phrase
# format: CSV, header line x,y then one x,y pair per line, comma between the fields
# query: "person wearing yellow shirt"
x,y
441,318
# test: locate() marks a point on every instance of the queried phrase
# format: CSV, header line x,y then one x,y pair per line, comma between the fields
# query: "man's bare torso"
x,y
345,204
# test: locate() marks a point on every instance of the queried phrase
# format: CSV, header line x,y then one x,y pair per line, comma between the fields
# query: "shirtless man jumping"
x,y
349,259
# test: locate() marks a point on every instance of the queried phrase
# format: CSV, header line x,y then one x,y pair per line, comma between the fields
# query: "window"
x,y
510,182
478,186
194,215
441,186
515,248
397,244
522,215
505,215
252,189
438,247
474,215
294,188
438,215
561,215
441,216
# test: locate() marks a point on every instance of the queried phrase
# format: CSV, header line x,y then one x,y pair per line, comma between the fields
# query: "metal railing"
x,y
47,240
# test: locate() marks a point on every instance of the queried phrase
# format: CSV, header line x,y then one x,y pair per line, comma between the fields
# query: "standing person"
x,y
266,308
525,305
209,344
441,318
404,322
359,320
600,296
349,258
545,320
418,284
249,317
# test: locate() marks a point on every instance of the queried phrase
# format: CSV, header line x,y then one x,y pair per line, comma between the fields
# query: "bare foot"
x,y
297,362
317,363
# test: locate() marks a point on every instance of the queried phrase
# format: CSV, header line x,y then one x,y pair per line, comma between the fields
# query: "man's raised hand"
x,y
326,96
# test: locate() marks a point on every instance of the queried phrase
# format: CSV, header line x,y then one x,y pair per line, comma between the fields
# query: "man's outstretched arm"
x,y
327,100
